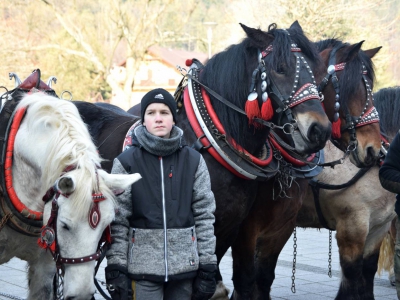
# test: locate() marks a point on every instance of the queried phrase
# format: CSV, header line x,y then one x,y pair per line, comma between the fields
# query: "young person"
x,y
163,233
389,175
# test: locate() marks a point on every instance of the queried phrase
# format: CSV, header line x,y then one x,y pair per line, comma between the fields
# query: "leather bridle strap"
x,y
229,104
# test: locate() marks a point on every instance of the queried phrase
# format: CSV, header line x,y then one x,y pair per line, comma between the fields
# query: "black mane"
x,y
229,74
387,103
351,76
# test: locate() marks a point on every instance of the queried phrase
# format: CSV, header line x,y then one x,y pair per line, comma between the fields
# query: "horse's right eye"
x,y
65,226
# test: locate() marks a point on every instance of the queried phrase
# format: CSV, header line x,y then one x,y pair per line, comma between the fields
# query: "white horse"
x,y
53,153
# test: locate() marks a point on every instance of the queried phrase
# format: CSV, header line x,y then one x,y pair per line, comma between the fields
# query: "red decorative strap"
x,y
287,156
19,206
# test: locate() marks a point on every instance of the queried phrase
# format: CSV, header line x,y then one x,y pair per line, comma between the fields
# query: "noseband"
x,y
352,122
48,235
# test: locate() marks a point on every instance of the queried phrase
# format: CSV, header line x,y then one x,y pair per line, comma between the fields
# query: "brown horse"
x,y
361,214
270,223
230,74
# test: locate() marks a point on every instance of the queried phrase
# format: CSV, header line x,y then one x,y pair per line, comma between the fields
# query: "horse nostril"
x,y
317,134
370,156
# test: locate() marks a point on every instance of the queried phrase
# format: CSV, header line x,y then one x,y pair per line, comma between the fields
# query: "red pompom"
x,y
267,111
336,132
252,110
189,62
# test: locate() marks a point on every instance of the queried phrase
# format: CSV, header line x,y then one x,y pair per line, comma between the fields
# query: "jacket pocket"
x,y
182,251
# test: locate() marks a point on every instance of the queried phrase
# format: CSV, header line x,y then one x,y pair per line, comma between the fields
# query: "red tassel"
x,y
267,111
336,134
252,110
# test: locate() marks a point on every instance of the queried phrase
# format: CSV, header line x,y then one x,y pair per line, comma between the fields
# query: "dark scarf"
x,y
157,145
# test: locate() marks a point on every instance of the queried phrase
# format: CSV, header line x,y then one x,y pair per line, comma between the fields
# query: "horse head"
x,y
54,156
84,212
347,89
273,71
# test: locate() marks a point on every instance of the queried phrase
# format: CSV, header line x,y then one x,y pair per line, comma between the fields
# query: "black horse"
x,y
270,223
285,60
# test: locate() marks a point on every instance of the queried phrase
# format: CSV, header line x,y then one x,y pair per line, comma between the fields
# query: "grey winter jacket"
x,y
161,253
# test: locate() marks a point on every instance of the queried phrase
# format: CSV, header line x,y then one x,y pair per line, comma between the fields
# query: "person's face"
x,y
158,120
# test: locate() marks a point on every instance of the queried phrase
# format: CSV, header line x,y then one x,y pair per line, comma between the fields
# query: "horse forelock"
x,y
387,103
351,81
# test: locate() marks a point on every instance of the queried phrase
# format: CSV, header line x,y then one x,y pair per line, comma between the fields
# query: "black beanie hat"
x,y
158,96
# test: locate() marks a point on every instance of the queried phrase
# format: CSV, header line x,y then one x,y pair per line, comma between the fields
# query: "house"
x,y
158,70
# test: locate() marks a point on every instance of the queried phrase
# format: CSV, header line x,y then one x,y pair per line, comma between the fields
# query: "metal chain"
x,y
294,260
5,219
11,296
330,255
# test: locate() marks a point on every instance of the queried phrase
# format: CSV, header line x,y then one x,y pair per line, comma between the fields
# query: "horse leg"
x,y
351,236
261,238
41,272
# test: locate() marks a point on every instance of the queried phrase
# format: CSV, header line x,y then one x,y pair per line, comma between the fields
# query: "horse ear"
x,y
260,38
353,50
65,185
296,27
119,181
371,52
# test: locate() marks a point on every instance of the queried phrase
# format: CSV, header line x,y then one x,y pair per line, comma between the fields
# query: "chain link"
x,y
330,255
294,260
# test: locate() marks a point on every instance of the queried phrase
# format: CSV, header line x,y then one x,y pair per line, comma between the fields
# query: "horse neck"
x,y
27,183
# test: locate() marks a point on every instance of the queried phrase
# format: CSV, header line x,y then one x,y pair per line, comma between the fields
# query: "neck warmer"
x,y
157,145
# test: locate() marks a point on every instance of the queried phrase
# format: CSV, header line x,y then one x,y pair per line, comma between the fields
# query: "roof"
x,y
174,57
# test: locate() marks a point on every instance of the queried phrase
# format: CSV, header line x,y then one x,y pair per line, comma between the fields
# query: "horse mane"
x,y
351,76
69,144
229,74
387,103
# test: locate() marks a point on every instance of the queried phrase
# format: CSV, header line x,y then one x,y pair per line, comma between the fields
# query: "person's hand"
x,y
118,283
204,285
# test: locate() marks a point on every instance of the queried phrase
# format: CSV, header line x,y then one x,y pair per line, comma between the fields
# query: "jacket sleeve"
x,y
118,251
203,207
389,173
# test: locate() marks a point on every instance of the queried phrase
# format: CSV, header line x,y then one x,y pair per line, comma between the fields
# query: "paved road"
x,y
312,281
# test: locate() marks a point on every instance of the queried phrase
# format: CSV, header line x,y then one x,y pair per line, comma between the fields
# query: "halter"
x,y
352,122
297,96
48,235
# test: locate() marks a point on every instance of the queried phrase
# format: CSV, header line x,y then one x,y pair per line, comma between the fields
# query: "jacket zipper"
x,y
164,219
133,243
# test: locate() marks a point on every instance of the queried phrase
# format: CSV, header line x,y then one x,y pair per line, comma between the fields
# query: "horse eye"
x,y
65,226
281,69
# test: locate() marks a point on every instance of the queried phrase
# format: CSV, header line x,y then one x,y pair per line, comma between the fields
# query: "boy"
x,y
163,234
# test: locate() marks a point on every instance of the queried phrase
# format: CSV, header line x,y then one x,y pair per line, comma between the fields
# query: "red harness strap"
x,y
25,211
287,156
199,133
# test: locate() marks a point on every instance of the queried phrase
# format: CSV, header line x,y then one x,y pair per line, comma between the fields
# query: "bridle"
x,y
48,235
366,117
297,96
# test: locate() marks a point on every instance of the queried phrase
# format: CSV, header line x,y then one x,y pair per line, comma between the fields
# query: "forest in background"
x,y
78,41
